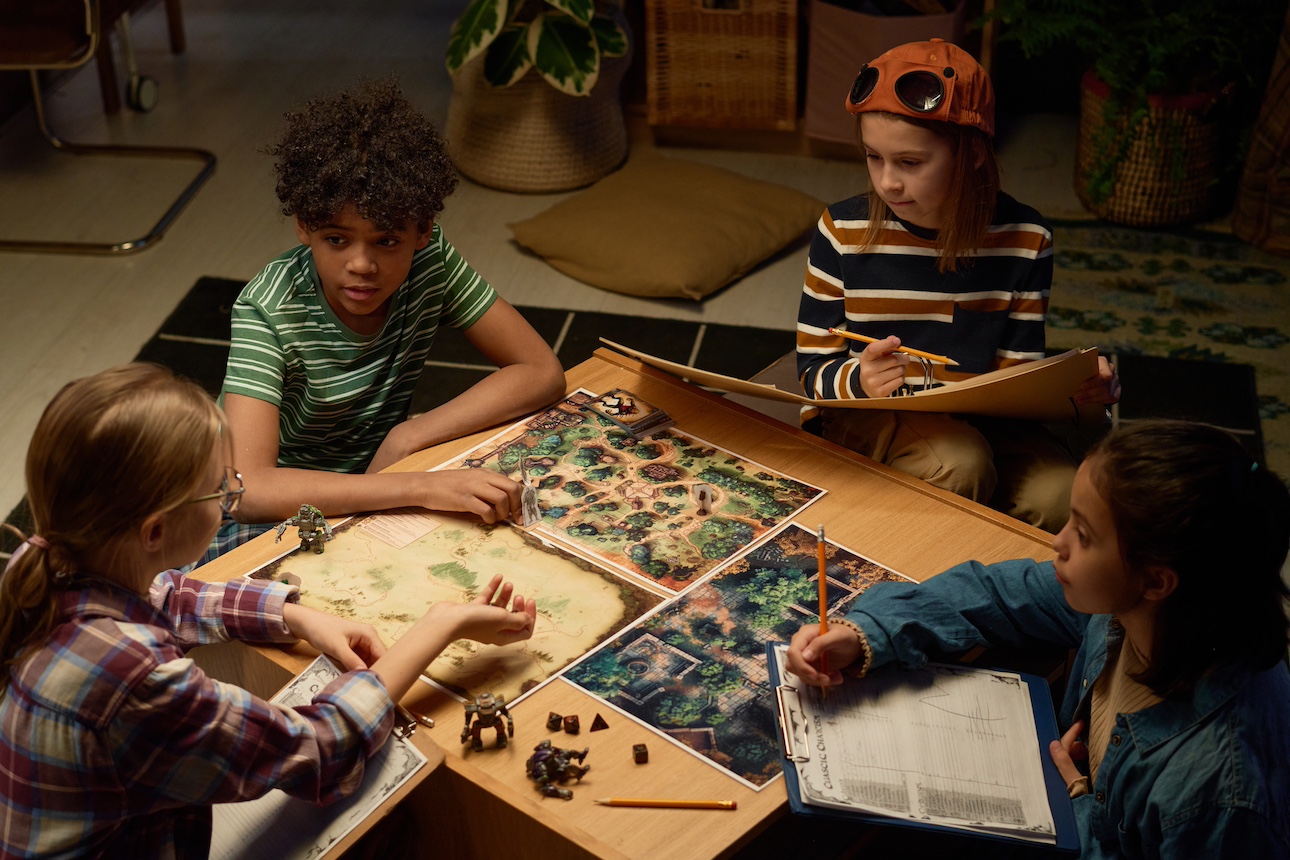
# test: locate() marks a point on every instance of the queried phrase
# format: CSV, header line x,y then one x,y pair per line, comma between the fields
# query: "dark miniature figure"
x,y
571,724
550,766
314,530
554,721
488,711
640,753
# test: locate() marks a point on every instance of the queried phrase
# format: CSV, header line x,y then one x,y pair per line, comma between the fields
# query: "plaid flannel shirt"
x,y
113,744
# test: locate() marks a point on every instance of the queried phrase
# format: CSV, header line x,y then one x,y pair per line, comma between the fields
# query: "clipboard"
x,y
1059,803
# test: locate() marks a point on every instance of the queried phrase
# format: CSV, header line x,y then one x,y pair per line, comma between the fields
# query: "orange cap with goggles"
x,y
926,80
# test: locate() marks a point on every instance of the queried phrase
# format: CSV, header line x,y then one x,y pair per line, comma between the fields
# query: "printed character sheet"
x,y
942,745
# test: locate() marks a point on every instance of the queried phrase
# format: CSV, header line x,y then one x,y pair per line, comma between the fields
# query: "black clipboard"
x,y
1059,802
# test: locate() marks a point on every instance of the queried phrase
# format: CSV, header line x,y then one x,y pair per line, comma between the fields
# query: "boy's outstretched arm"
x,y
275,493
528,377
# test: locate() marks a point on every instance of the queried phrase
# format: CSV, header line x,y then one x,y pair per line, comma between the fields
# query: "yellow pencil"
x,y
930,356
822,581
668,804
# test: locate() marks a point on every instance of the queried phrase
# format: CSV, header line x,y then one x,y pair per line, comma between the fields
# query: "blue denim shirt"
x,y
1207,776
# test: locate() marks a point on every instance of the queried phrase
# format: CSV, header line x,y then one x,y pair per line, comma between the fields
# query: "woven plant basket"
x,y
532,137
1168,171
1262,213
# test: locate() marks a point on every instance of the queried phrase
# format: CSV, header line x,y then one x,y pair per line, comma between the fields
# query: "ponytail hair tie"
x,y
1254,465
34,540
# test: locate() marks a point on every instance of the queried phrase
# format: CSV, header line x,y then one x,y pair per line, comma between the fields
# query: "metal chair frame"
x,y
93,34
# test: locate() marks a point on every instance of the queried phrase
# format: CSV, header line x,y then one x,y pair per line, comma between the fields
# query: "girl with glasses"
x,y
113,744
937,258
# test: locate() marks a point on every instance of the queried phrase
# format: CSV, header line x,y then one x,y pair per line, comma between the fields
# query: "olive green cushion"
x,y
665,227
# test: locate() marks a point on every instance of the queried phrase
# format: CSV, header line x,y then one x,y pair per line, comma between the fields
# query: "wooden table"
x,y
481,804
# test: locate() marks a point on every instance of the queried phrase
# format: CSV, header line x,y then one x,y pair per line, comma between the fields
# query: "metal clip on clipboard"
x,y
792,724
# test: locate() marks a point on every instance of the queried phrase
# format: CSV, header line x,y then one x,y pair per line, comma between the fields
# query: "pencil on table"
x,y
668,804
820,555
930,356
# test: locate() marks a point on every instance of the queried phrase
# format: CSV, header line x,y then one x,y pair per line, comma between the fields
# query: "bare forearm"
x,y
509,392
406,659
276,494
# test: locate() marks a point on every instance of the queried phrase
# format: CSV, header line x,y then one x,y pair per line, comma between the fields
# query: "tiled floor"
x,y
247,62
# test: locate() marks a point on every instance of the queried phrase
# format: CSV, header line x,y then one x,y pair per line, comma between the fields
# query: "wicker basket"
x,y
712,66
530,136
1168,175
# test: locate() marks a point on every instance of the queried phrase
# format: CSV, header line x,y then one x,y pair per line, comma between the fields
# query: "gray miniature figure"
x,y
314,530
528,498
488,711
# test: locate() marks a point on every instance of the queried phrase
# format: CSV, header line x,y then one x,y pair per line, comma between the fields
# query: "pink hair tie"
x,y
39,541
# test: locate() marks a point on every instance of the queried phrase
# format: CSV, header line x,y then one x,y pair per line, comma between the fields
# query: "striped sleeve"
x,y
466,295
1023,338
825,365
256,360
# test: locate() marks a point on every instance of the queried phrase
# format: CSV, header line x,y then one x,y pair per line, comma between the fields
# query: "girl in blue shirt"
x,y
1168,583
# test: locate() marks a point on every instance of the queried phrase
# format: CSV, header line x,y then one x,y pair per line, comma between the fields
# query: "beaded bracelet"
x,y
851,670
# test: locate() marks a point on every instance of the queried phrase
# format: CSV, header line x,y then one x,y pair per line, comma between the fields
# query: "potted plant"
x,y
535,92
1168,88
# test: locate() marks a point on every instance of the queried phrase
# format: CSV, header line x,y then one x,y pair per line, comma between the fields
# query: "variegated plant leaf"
x,y
508,57
473,31
580,9
609,36
565,53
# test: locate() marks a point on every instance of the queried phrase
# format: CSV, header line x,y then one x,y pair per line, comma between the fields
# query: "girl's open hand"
x,y
486,618
882,370
807,645
355,645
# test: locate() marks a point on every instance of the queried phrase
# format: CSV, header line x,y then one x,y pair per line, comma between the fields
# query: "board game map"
x,y
387,569
630,502
695,670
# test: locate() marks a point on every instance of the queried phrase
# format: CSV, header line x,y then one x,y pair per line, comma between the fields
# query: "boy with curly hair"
x,y
330,339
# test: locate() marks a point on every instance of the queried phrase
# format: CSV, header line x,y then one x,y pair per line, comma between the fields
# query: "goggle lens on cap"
x,y
921,92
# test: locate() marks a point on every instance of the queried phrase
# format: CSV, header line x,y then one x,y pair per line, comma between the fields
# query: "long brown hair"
x,y
969,208
1188,497
109,451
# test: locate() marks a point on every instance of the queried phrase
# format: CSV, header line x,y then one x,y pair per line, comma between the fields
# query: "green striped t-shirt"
x,y
339,392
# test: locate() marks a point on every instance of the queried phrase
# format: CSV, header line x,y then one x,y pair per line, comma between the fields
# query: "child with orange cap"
x,y
934,256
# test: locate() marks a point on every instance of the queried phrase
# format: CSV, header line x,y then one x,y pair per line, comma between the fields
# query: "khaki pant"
x,y
1017,467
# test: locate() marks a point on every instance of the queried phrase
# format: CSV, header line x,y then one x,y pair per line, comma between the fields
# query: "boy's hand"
x,y
1104,387
840,644
491,496
355,645
882,370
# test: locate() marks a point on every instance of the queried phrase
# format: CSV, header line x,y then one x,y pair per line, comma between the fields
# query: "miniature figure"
x,y
554,721
550,766
488,711
703,498
599,723
571,724
640,753
529,498
310,521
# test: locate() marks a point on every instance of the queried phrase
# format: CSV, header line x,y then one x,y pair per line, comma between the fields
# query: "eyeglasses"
x,y
228,498
920,91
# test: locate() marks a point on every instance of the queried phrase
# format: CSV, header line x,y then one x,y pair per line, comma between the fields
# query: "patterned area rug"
x,y
1188,296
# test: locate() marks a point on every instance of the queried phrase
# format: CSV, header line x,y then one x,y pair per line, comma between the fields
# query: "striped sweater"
x,y
339,392
987,315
